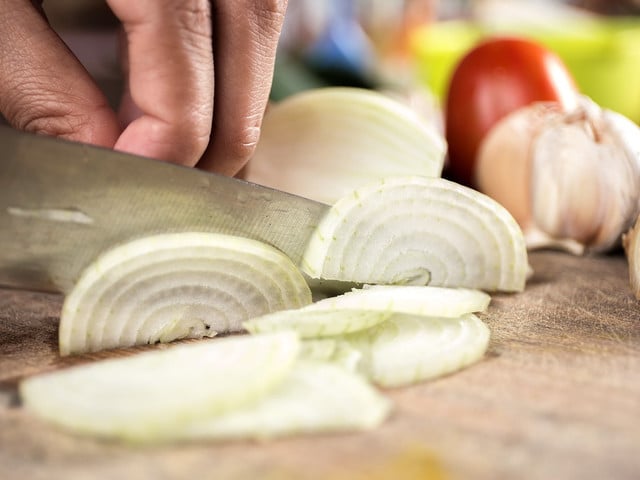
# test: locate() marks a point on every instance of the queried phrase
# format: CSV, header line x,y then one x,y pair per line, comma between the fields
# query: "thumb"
x,y
43,87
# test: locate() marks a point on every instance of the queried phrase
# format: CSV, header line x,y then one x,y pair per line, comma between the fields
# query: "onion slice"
x,y
418,230
179,285
363,308
407,349
145,397
315,323
416,300
316,397
324,143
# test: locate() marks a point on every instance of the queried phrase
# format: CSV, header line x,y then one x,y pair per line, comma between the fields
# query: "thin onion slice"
x,y
417,230
316,397
363,308
144,397
315,323
324,143
407,349
179,285
411,299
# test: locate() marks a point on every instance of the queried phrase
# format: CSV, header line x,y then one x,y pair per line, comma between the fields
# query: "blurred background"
x,y
413,44
409,46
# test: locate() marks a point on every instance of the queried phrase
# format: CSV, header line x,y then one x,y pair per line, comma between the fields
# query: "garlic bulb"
x,y
570,178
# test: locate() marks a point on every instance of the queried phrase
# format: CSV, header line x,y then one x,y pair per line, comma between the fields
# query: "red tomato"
x,y
495,78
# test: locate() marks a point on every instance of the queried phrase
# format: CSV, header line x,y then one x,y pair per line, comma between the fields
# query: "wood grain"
x,y
557,397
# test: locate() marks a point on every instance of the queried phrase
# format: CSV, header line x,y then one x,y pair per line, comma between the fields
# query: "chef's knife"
x,y
62,203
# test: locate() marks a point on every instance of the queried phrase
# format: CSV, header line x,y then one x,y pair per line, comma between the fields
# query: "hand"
x,y
198,79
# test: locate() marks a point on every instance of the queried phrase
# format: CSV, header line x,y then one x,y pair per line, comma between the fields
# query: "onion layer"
x,y
147,396
316,397
417,230
364,308
171,286
415,300
407,348
324,143
314,323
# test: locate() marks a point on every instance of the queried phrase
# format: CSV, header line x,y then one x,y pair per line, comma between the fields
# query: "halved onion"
x,y
418,230
324,143
316,397
145,397
178,285
407,348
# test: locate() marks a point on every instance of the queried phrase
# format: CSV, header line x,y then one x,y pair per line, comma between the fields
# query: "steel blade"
x,y
62,203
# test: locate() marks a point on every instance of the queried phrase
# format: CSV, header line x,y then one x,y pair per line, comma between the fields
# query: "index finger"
x,y
170,67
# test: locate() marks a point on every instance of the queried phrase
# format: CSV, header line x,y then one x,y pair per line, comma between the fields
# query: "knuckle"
x,y
194,134
241,144
194,17
269,14
39,114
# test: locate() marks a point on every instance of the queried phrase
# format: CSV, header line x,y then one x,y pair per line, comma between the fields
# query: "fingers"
x,y
170,78
246,35
43,87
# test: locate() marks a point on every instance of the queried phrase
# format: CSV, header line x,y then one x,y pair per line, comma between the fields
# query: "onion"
x,y
316,397
417,230
408,348
179,285
324,143
146,397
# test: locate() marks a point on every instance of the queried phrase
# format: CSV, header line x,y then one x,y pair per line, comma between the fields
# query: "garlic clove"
x,y
569,178
503,167
631,243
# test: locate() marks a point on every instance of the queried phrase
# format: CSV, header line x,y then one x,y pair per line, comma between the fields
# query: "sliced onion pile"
x,y
427,332
324,143
172,286
148,396
417,230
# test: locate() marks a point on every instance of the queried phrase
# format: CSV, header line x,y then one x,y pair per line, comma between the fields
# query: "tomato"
x,y
493,79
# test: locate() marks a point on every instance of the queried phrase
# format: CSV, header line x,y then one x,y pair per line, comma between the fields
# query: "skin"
x,y
198,79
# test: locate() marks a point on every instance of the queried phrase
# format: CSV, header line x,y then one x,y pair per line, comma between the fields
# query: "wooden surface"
x,y
557,397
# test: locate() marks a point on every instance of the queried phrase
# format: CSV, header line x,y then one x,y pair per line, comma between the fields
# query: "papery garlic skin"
x,y
570,178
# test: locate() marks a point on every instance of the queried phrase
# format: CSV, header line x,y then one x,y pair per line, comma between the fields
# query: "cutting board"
x,y
557,397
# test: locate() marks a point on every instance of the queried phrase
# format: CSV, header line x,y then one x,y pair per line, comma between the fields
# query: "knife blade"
x,y
62,203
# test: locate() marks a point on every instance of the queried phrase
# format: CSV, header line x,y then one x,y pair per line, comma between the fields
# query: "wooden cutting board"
x,y
557,397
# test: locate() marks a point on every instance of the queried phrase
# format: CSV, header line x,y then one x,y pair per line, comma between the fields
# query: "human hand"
x,y
198,79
